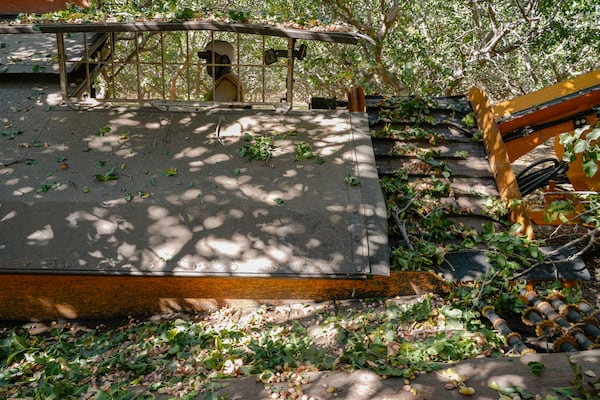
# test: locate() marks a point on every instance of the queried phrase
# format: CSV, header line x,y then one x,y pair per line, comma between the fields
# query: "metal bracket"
x,y
271,56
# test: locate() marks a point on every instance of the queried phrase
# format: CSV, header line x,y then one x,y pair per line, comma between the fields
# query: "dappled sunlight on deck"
x,y
123,192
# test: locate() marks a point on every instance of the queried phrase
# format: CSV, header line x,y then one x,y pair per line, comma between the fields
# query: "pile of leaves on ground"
x,y
179,357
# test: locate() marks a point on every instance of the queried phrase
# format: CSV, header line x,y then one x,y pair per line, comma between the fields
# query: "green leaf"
x,y
590,167
512,390
566,391
10,133
536,367
101,131
186,13
566,138
109,175
235,172
304,151
351,180
45,186
592,135
279,201
101,395
580,146
170,172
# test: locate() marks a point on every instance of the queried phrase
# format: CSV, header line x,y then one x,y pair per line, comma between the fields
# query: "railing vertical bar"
x,y
290,71
264,71
112,65
60,44
88,80
214,61
239,88
186,60
162,65
138,72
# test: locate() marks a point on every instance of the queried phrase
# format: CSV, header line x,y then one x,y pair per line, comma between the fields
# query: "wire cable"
x,y
529,179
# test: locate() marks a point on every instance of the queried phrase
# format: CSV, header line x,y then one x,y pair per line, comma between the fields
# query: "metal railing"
x,y
163,67
152,62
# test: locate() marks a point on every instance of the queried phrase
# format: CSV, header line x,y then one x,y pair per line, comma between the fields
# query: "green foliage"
x,y
46,186
109,175
431,233
179,357
351,180
408,132
536,367
170,172
102,131
427,48
469,120
10,133
582,207
259,148
411,109
584,141
305,152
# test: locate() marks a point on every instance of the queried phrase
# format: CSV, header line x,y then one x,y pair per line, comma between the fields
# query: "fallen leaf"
x,y
170,172
466,390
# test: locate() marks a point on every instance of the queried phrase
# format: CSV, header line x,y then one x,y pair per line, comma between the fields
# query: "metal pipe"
x,y
588,310
512,338
572,313
556,299
549,312
565,344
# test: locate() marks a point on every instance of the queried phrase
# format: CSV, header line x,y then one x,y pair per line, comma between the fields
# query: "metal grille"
x,y
158,67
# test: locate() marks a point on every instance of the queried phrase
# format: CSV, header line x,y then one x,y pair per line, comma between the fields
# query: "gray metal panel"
x,y
37,53
220,215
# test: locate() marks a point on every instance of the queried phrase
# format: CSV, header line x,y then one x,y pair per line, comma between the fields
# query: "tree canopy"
x,y
432,47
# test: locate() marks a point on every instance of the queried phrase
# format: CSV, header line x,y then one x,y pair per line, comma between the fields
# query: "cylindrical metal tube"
x,y
512,338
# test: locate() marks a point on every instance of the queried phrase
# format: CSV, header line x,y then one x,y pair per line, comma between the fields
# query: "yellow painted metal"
x,y
533,99
519,147
498,158
548,111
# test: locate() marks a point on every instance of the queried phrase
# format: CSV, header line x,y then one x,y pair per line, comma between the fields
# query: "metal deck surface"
x,y
37,53
186,203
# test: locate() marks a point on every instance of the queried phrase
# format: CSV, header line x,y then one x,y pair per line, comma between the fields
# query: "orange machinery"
x,y
530,120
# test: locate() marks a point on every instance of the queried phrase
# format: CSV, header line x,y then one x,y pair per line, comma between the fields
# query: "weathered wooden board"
x,y
48,297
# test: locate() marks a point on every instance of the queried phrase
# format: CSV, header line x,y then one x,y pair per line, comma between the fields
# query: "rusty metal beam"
x,y
155,26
